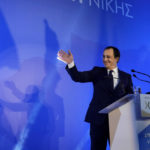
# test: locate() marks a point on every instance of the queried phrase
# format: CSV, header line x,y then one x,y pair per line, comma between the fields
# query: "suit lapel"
x,y
121,79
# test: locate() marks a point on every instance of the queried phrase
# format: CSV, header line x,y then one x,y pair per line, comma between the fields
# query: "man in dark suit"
x,y
109,84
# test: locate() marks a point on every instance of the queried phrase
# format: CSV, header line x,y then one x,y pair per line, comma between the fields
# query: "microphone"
x,y
132,70
140,79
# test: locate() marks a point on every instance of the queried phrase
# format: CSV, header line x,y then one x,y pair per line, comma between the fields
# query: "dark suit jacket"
x,y
103,95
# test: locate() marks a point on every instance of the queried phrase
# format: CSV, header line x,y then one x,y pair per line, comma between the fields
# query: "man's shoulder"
x,y
124,73
99,68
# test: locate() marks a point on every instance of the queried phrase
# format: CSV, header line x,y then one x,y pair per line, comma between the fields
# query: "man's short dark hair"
x,y
115,50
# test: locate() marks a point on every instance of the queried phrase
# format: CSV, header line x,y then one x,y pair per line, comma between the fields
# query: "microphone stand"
x,y
140,79
132,70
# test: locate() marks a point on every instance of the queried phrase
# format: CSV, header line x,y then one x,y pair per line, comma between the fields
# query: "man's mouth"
x,y
106,63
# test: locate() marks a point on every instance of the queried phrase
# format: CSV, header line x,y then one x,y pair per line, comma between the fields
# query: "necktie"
x,y
111,79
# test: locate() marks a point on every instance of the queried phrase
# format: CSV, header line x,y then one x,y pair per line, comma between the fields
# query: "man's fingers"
x,y
60,53
65,57
69,52
61,60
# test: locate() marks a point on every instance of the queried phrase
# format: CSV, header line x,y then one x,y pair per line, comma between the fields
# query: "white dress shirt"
x,y
115,76
71,65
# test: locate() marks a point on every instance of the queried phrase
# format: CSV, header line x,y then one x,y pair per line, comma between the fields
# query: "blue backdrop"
x,y
39,103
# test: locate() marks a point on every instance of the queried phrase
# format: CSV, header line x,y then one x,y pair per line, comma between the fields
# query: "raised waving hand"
x,y
65,57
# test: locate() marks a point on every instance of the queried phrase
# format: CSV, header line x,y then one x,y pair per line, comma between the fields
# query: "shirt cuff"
x,y
71,65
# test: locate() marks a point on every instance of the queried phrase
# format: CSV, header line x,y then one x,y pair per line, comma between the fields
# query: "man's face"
x,y
109,60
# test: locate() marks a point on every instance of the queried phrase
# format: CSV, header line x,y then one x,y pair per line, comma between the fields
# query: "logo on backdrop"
x,y
144,139
112,6
145,105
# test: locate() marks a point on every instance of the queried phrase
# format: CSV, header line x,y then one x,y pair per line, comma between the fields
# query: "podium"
x,y
129,122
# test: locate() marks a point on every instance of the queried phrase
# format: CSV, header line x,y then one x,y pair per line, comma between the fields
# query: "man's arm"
x,y
15,106
77,76
86,76
14,89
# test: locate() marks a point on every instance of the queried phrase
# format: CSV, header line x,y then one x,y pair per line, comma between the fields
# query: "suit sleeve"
x,y
77,76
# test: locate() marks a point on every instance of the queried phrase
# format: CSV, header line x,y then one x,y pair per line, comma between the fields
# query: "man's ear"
x,y
117,59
